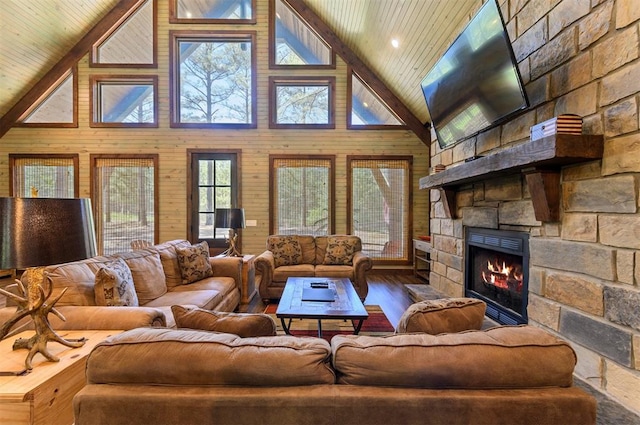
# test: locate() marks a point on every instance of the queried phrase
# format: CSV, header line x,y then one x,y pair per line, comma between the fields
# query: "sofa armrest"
x,y
362,263
228,267
93,317
265,265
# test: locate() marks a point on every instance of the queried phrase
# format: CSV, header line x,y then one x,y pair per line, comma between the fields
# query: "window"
x,y
124,101
44,176
368,111
124,200
292,43
213,183
213,80
115,48
379,206
302,195
302,102
212,11
57,107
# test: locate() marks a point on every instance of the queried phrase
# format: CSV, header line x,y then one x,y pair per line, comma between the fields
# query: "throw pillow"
x,y
194,262
114,285
340,250
244,325
446,315
286,250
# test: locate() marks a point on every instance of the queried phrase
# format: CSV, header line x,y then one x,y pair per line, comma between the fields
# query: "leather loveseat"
x,y
160,280
504,375
308,256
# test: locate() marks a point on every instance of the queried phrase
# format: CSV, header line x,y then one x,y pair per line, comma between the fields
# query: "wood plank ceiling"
x,y
36,34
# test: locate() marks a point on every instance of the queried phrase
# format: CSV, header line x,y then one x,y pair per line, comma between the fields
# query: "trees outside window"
x,y
124,200
302,194
213,80
301,102
379,206
43,176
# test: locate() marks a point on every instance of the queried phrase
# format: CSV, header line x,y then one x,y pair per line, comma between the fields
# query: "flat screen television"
x,y
476,84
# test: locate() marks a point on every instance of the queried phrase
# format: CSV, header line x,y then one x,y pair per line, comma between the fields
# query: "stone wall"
x,y
581,57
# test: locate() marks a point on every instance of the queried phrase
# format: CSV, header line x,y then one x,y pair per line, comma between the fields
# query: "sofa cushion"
x,y
241,324
114,285
147,272
78,277
281,274
199,358
286,250
443,315
207,299
169,259
525,356
194,262
219,284
341,249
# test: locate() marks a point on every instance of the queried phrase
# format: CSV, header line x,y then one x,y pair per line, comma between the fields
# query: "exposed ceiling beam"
x,y
352,59
76,53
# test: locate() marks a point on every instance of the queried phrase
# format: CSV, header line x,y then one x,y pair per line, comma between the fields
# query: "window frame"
x,y
331,202
95,97
93,158
193,156
273,47
17,156
73,73
275,82
174,72
93,54
351,159
350,76
174,19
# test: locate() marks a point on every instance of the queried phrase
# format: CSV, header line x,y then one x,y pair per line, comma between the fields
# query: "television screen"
x,y
476,84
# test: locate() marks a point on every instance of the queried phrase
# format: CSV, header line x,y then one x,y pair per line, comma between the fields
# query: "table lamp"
x,y
231,218
36,232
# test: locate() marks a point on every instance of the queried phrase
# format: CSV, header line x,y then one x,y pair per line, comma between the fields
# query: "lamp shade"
x,y
229,218
43,231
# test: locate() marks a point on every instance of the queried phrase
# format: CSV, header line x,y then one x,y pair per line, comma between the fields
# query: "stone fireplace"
x,y
497,272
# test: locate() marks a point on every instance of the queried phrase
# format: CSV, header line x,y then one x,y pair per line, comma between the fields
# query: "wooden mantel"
x,y
540,161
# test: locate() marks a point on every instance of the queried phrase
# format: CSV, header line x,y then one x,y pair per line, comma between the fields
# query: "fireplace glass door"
x,y
497,272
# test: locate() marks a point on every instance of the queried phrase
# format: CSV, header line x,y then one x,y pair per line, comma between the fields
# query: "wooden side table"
x,y
421,259
248,279
44,395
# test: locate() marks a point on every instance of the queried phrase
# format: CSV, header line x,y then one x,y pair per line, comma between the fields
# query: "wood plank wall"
x,y
256,145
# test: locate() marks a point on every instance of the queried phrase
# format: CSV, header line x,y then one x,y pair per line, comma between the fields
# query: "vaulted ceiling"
x,y
36,34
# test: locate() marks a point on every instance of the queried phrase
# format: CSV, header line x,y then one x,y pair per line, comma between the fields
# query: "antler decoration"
x,y
33,301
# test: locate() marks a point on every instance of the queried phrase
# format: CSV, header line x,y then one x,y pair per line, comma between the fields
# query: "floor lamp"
x,y
36,232
231,218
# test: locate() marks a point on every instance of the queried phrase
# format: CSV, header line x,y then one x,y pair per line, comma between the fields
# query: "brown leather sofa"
x,y
504,375
158,281
308,256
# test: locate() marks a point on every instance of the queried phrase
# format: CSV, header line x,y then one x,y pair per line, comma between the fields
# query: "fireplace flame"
x,y
504,276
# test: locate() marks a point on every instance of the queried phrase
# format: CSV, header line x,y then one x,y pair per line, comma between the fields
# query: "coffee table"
x,y
345,306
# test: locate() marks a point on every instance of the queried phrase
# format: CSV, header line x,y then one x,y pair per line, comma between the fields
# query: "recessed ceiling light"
x,y
395,43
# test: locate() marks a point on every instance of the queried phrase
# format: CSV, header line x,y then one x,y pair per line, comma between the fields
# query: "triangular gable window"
x,y
293,42
116,47
367,109
56,108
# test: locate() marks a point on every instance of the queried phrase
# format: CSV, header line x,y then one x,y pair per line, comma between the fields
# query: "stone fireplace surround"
x,y
577,284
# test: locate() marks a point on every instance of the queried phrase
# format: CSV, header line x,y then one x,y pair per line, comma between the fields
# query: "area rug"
x,y
376,325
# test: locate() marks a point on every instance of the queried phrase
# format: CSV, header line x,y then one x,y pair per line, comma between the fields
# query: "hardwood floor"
x,y
386,289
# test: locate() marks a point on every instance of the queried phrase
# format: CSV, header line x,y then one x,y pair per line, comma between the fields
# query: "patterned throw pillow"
x,y
340,250
114,285
286,250
194,262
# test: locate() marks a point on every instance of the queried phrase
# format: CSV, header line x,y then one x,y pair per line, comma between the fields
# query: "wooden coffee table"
x,y
345,306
